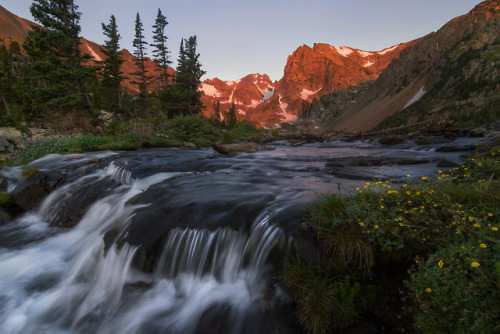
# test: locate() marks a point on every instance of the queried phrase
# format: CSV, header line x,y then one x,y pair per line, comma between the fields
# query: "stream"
x,y
179,240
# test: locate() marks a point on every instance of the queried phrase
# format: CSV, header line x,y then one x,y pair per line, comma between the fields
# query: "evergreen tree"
x,y
188,74
231,117
56,65
15,48
111,66
140,60
7,79
217,116
160,51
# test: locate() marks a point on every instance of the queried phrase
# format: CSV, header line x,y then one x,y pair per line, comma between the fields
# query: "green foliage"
x,y
450,224
194,129
188,75
6,200
231,117
455,290
111,66
244,129
160,51
323,302
58,146
55,73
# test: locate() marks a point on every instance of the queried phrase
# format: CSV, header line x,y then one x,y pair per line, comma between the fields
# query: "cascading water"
x,y
172,240
70,281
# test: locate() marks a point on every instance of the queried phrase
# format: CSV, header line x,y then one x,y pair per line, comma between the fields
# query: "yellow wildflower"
x,y
474,264
424,178
494,229
361,224
490,214
483,246
477,225
428,290
376,226
440,263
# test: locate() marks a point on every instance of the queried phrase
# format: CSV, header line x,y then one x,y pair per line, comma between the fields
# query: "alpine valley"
x,y
447,79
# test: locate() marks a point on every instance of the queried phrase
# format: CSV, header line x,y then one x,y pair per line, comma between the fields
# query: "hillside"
x,y
14,28
447,79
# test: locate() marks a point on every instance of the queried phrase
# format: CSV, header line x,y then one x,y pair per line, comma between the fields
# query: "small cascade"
x,y
74,281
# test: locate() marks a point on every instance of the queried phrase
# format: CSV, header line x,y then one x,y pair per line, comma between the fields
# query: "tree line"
x,y
52,75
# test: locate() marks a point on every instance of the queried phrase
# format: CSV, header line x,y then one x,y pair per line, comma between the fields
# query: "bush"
x,y
443,233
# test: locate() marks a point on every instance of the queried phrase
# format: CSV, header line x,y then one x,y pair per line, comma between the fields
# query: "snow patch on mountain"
x,y
283,105
365,53
254,104
383,52
343,50
368,64
231,83
417,97
93,53
210,90
306,94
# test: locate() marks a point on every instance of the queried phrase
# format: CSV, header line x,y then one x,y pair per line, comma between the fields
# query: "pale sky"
x,y
240,37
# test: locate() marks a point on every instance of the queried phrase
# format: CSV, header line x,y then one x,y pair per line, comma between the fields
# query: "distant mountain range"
x,y
340,88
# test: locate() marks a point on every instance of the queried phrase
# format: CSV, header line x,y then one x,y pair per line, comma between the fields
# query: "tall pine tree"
x,y
160,51
142,78
111,66
56,68
188,75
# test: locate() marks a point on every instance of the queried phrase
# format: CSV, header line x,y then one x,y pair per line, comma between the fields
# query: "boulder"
x,y
234,148
30,192
444,163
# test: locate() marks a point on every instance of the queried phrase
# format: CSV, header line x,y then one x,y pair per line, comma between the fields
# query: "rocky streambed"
x,y
177,240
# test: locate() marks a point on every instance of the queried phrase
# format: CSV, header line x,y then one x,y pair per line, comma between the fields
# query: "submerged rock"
x,y
234,148
29,193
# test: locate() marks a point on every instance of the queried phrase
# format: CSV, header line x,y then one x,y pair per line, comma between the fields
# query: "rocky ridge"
x,y
309,74
448,77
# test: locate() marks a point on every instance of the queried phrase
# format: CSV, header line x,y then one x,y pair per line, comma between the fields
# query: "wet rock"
x,y
30,192
73,206
391,140
455,148
4,215
234,148
3,184
444,163
478,132
188,145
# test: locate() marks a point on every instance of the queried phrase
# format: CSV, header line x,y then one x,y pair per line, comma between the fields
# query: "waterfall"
x,y
72,281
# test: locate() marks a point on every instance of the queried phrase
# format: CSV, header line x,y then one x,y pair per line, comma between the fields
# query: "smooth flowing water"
x,y
173,240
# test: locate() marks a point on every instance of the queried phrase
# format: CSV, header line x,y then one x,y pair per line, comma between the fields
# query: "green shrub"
x,y
450,225
455,290
323,302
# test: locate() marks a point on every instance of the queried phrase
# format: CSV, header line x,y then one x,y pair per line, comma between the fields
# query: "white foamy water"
x,y
71,281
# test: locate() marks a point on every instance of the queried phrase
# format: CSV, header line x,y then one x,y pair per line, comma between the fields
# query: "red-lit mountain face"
x,y
246,94
14,28
309,74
